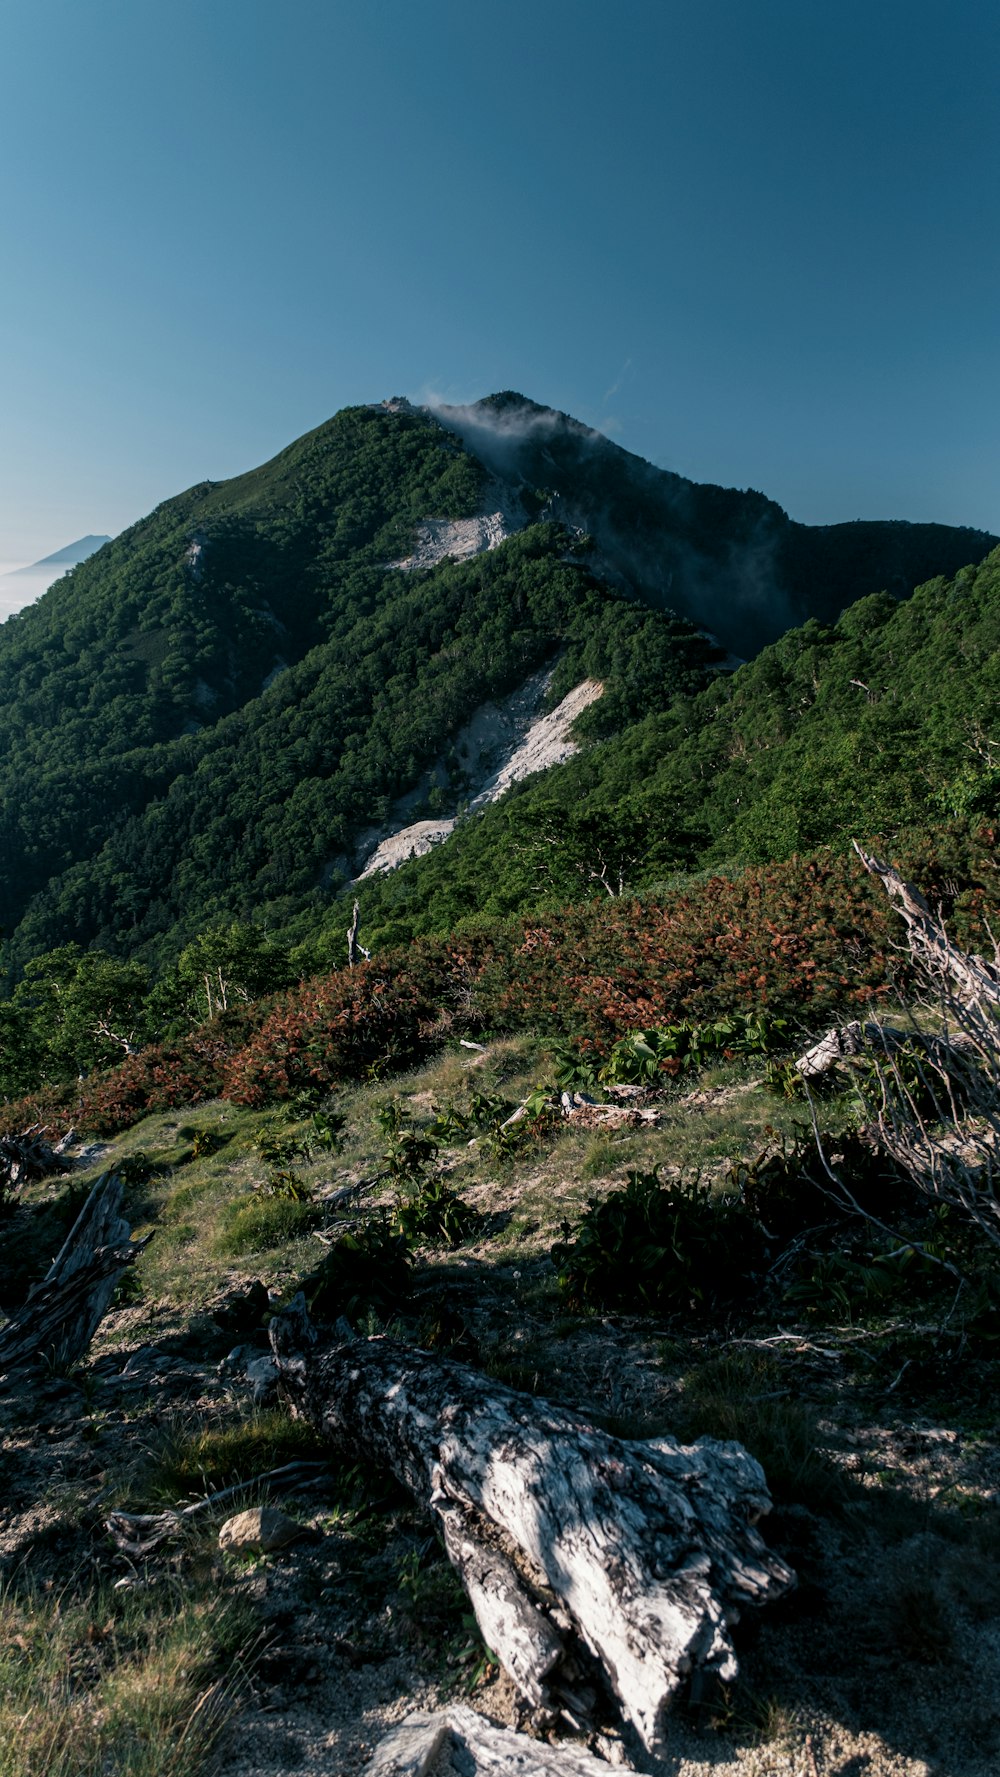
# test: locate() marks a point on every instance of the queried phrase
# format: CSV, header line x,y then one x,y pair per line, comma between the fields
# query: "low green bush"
x,y
366,1270
436,1214
685,1046
666,1245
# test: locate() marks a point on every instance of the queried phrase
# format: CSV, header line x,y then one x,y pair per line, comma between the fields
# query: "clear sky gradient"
x,y
756,242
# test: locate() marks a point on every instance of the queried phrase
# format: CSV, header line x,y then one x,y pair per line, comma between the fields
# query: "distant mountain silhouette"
x,y
62,558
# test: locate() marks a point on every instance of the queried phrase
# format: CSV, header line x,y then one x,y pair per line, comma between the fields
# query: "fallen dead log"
x,y
881,1042
831,1049
847,1041
586,1113
590,1561
60,1315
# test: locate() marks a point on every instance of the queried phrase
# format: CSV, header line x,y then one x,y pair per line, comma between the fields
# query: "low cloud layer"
x,y
21,587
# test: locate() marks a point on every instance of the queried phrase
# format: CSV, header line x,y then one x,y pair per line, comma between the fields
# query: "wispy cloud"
x,y
616,385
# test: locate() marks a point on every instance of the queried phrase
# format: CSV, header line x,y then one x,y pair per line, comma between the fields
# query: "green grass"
x,y
747,1398
195,1459
607,1154
117,1683
262,1223
135,1683
210,1232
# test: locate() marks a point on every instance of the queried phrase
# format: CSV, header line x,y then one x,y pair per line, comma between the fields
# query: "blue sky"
x,y
754,240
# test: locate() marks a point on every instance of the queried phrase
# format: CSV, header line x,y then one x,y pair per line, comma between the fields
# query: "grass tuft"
x,y
195,1460
134,1683
265,1222
746,1398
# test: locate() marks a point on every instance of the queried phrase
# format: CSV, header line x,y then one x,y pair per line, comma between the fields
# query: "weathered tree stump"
x,y
27,1156
587,1558
60,1315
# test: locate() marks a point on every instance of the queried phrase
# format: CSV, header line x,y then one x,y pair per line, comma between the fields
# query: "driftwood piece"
x,y
423,1745
585,1556
831,1049
60,1315
848,1040
586,1113
973,982
882,1041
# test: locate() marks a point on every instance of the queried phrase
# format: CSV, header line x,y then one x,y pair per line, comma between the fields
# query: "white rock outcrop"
x,y
548,741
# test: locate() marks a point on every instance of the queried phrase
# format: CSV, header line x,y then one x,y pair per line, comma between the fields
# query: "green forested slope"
x,y
199,720
888,720
246,817
109,681
883,724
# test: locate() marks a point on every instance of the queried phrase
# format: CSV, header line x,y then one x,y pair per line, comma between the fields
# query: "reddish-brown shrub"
x,y
802,939
330,1029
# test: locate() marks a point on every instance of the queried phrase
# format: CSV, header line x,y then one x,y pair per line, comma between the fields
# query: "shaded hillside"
x,y
731,560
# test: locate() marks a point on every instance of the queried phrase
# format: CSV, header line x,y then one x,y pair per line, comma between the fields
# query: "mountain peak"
x,y
67,557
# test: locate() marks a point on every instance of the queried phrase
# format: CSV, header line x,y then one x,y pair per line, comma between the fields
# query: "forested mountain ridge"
x,y
199,720
883,724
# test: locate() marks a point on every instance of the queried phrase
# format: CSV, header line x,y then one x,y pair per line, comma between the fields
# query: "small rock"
x,y
262,1376
235,1362
258,1531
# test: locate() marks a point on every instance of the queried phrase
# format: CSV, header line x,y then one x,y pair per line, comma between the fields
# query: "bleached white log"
x,y
422,1745
354,946
641,1554
507,1615
822,1056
